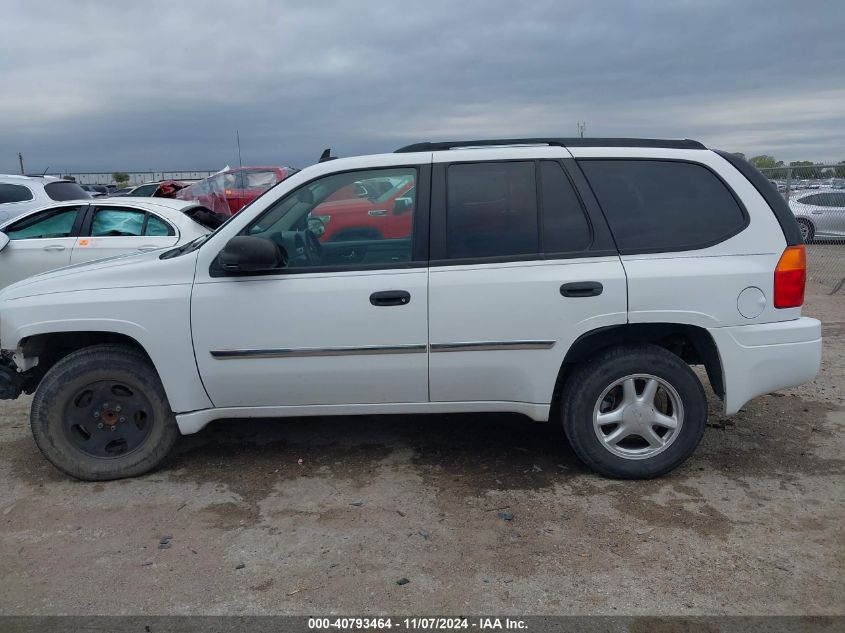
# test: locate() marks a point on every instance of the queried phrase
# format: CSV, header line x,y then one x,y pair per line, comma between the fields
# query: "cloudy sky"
x,y
132,85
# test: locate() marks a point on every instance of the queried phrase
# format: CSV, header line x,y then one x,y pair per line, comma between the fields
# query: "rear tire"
x,y
808,231
634,412
101,413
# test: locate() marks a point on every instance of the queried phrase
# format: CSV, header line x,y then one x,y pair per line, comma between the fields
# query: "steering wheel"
x,y
313,248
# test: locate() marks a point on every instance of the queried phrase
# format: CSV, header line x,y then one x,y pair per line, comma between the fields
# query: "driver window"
x,y
349,219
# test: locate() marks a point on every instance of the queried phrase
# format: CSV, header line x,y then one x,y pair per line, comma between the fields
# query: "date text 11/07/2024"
x,y
423,623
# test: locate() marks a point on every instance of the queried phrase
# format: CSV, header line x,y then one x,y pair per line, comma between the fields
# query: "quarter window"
x,y
491,210
654,205
54,223
157,227
14,193
565,226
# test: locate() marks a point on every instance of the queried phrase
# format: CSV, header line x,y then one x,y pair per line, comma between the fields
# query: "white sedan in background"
x,y
78,231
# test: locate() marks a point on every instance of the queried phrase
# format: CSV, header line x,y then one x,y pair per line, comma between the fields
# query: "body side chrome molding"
x,y
370,350
366,350
490,346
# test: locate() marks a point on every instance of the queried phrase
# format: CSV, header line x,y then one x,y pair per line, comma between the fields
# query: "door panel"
x,y
501,331
117,230
88,249
40,242
309,339
24,258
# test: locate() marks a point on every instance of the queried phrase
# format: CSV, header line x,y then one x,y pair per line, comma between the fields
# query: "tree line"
x,y
805,168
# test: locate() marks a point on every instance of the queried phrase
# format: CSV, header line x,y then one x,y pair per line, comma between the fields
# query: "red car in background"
x,y
371,209
230,191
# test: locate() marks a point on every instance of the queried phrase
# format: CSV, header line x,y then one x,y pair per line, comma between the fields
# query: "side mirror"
x,y
249,254
401,205
4,240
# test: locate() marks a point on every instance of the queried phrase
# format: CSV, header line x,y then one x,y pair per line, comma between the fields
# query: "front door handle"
x,y
581,289
54,247
147,248
390,298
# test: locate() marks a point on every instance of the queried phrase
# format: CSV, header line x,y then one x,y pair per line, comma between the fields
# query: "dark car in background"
x,y
96,191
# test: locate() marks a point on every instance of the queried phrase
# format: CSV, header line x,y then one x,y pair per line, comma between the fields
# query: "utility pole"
x,y
582,126
20,160
238,136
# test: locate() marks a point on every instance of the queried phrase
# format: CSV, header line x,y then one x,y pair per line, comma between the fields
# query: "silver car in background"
x,y
820,214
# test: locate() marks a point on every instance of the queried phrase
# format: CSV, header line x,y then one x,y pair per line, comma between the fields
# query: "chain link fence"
x,y
135,177
816,195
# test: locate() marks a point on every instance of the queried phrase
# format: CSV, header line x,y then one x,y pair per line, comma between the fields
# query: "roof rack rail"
x,y
561,142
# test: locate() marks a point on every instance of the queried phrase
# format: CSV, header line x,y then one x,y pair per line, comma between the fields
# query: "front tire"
x,y
101,413
634,412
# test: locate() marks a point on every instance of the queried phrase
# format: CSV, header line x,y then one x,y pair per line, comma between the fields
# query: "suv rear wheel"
x,y
634,412
101,413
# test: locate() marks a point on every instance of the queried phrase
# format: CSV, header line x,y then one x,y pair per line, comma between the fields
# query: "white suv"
x,y
573,280
19,194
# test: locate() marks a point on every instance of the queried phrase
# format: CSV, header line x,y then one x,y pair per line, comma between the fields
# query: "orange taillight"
x,y
790,277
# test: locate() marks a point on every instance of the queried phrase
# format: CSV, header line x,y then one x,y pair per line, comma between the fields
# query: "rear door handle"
x,y
581,289
54,247
390,298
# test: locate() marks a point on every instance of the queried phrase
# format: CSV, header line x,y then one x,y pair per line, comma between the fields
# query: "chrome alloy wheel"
x,y
638,416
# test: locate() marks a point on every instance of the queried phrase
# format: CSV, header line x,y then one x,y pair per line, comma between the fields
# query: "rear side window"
x,y
117,223
491,210
658,205
65,190
14,193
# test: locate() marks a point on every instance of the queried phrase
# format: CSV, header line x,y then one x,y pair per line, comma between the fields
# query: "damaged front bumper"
x,y
12,382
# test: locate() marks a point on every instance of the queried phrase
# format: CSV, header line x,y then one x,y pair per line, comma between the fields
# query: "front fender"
x,y
157,317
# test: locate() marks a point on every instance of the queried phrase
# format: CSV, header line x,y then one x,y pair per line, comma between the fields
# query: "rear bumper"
x,y
761,358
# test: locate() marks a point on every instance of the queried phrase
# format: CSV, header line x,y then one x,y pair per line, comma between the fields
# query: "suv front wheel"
x,y
101,413
634,412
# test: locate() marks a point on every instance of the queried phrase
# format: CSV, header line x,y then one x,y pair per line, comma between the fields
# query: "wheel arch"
x,y
692,344
40,346
51,347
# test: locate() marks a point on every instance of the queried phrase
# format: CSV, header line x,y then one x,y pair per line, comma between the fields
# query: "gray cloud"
x,y
94,85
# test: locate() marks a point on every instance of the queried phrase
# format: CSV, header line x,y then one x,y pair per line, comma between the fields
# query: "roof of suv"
x,y
28,179
562,142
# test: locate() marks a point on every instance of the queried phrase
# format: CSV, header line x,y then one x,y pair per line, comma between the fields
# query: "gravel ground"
x,y
481,513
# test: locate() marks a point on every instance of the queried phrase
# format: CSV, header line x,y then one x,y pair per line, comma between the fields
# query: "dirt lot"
x,y
754,523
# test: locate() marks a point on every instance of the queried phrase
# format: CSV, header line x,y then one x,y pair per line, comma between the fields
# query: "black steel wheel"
x,y
101,413
108,419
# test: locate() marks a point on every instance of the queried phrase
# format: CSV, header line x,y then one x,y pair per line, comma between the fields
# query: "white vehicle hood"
x,y
123,271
